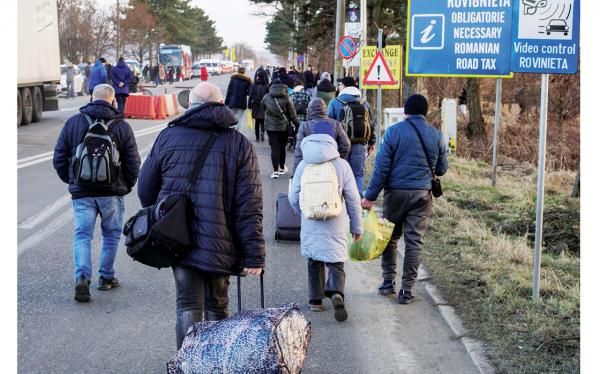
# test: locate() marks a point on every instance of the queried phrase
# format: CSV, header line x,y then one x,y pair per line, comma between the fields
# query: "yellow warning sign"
x,y
393,57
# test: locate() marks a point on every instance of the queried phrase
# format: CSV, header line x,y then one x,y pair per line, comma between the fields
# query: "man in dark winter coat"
x,y
258,90
226,201
402,169
121,78
98,74
317,113
237,94
89,202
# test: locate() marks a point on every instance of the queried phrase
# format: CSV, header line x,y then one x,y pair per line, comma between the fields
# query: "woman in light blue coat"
x,y
325,242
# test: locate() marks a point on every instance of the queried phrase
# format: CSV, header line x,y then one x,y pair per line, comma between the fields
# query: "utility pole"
x,y
363,39
339,30
117,25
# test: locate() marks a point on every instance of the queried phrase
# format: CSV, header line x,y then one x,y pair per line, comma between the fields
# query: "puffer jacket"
x,y
121,73
98,75
401,163
72,135
326,240
237,91
227,196
316,114
275,120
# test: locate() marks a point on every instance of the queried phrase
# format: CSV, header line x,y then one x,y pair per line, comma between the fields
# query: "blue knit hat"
x,y
324,127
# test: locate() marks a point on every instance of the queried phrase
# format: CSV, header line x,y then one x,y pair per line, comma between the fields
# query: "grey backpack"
x,y
96,161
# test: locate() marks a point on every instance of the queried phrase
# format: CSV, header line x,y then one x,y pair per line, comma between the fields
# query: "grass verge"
x,y
484,267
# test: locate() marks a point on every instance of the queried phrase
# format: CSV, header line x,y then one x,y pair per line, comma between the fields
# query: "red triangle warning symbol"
x,y
379,72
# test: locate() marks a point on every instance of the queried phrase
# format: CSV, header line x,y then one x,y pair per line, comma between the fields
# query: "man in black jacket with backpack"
x,y
96,155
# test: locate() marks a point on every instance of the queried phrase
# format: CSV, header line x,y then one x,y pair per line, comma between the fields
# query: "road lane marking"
x,y
44,232
68,109
43,157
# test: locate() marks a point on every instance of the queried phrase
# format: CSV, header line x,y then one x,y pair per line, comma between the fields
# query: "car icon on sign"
x,y
557,25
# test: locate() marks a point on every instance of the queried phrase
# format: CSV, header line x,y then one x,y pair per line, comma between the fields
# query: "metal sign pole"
x,y
539,210
363,41
339,30
379,99
496,128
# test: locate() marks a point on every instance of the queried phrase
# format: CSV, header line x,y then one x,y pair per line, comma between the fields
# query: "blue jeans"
x,y
357,158
70,89
111,209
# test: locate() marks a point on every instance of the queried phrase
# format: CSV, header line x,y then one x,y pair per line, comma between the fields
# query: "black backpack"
x,y
356,122
96,161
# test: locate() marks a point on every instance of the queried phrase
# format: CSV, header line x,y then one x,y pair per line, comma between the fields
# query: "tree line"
x,y
133,28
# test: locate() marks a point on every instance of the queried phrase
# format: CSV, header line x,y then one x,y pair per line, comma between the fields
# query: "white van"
x,y
212,66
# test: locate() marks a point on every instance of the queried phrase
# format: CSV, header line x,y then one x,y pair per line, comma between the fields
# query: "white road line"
x,y
45,213
68,109
43,157
44,232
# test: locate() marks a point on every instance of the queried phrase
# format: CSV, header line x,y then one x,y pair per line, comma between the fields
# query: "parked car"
x,y
134,66
196,70
212,66
77,81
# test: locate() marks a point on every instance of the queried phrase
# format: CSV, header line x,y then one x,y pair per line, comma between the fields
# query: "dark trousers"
x,y
259,127
121,99
410,210
317,288
200,296
277,141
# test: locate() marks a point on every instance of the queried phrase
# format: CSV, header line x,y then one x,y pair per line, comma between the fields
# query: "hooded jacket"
x,y
401,163
326,240
325,89
335,109
121,73
72,135
226,199
258,90
98,75
316,114
237,91
275,120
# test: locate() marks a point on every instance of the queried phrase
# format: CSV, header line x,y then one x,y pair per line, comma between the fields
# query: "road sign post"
x,y
379,98
546,41
497,116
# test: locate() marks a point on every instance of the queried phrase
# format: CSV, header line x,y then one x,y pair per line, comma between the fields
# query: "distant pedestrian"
x,y
70,79
326,89
317,115
309,81
161,73
98,75
171,74
121,78
155,75
92,200
203,73
145,73
237,94
300,98
324,242
403,172
87,73
108,73
133,86
279,114
178,75
258,90
225,202
363,134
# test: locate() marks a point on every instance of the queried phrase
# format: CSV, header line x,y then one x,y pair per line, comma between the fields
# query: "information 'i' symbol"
x,y
426,35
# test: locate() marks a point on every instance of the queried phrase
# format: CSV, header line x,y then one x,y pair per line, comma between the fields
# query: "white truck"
x,y
38,73
248,64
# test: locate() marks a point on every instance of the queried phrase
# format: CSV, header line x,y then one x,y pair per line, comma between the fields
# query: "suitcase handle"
x,y
239,290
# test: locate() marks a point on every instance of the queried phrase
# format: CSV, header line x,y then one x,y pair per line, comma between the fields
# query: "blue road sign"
x,y
469,38
545,36
348,48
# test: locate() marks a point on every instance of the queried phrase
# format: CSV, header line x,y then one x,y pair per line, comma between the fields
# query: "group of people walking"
x,y
120,77
226,199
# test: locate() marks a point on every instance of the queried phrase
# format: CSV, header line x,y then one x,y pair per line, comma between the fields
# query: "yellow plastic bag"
x,y
249,119
377,232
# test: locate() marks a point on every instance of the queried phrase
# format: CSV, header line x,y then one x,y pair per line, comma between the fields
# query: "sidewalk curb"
x,y
474,348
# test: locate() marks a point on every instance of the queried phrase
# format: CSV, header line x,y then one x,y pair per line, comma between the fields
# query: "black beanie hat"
x,y
416,104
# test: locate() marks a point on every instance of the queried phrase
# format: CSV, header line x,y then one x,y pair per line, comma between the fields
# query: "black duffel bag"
x,y
159,235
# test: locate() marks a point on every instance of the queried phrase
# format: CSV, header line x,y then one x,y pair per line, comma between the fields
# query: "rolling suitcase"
x,y
287,222
272,340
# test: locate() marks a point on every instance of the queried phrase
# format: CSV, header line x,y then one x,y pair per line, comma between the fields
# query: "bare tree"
x,y
139,29
476,125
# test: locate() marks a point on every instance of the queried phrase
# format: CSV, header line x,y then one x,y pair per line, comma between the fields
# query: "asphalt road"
x,y
131,329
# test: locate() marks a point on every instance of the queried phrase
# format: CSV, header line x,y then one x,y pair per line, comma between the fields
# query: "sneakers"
x,y
275,175
388,287
82,290
316,305
262,136
283,171
339,308
405,297
107,284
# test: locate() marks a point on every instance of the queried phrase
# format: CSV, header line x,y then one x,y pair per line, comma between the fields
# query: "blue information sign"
x,y
545,36
469,38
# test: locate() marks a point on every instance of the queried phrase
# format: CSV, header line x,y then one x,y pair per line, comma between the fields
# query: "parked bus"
x,y
177,55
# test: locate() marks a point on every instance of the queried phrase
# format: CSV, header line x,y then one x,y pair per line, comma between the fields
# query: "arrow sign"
x,y
348,48
379,73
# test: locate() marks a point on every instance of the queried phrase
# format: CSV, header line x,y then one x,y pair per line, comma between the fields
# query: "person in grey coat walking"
x,y
324,242
317,113
70,78
402,169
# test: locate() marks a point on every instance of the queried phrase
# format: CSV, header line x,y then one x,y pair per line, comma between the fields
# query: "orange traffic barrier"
x,y
141,107
175,103
169,106
160,107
